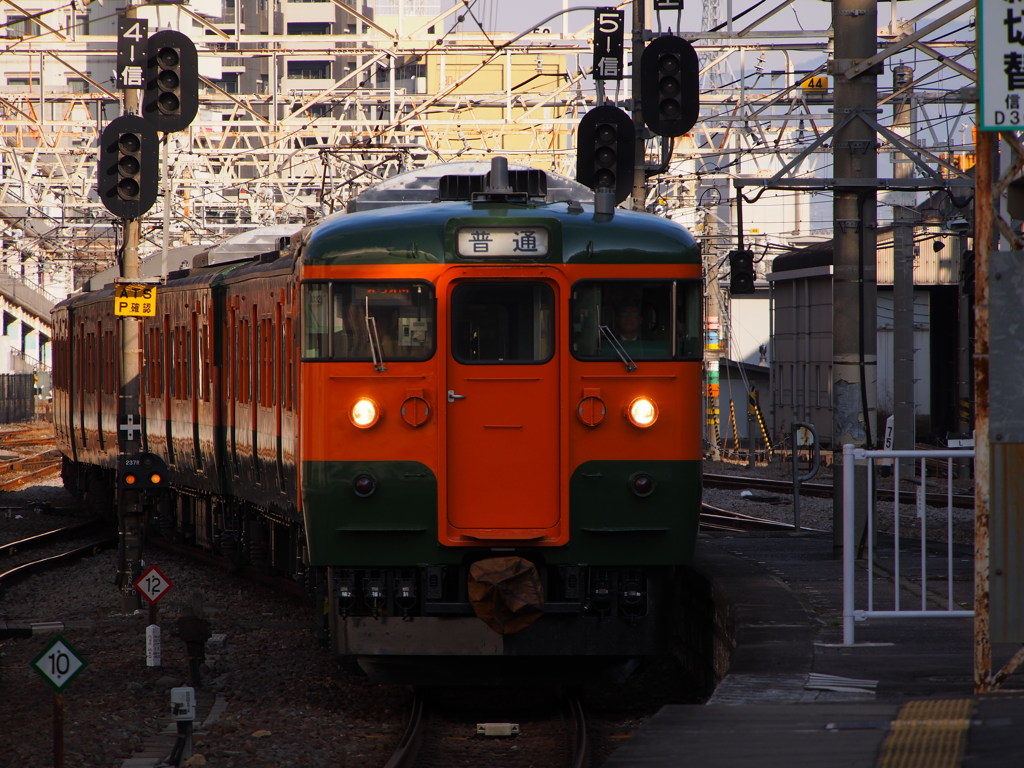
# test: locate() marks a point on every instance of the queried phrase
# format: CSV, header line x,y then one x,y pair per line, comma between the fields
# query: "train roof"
x,y
424,185
469,196
426,233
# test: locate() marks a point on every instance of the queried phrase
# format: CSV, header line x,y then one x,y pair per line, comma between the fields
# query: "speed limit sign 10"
x,y
59,663
153,584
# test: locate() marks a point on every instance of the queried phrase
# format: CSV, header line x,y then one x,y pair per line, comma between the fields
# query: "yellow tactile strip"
x,y
928,734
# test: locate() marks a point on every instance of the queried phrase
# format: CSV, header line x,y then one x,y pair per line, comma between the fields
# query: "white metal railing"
x,y
896,608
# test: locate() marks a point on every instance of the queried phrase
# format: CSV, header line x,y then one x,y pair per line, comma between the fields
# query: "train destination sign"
x,y
502,241
59,663
135,299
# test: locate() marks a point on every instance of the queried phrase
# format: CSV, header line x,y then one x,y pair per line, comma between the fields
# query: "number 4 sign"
x,y
153,584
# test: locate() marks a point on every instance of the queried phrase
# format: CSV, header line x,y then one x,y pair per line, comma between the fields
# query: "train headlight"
x,y
642,412
364,413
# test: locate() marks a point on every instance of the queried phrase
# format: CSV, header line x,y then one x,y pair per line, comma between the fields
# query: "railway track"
x,y
960,500
522,728
29,455
714,518
51,549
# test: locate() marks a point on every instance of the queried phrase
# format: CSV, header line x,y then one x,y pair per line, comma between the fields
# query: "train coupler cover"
x,y
506,593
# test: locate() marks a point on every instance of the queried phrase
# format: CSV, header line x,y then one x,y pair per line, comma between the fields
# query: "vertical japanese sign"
x,y
609,36
132,35
1001,65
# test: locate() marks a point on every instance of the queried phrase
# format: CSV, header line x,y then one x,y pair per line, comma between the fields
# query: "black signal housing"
x,y
670,86
606,148
127,173
171,97
142,472
741,272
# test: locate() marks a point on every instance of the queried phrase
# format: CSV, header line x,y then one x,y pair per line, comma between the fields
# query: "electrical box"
x,y
183,704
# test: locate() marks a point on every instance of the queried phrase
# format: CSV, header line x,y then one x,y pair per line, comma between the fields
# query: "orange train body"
x,y
402,397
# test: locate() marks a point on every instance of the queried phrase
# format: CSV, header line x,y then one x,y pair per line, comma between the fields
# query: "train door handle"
x,y
452,397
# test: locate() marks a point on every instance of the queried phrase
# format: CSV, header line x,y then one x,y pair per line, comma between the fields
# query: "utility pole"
x,y
640,157
905,216
130,522
854,311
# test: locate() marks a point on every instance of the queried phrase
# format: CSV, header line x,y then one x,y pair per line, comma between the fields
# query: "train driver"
x,y
629,330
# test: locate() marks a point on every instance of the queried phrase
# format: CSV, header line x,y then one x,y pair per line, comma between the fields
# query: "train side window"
x,y
316,319
690,320
338,316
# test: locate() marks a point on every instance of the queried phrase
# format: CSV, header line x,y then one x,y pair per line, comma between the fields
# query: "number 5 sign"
x,y
153,584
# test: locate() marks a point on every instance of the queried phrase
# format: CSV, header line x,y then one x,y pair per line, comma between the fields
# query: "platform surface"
x,y
902,695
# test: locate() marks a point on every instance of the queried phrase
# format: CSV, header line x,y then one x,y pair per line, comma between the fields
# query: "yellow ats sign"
x,y
135,299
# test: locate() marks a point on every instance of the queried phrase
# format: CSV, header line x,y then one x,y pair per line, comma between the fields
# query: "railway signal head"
x,y
171,98
127,172
741,268
142,472
669,86
605,150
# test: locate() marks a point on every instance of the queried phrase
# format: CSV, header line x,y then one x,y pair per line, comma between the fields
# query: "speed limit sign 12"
x,y
153,584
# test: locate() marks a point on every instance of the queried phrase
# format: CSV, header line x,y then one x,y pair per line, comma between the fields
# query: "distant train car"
x,y
471,425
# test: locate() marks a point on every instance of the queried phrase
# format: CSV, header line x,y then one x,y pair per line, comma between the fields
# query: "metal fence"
x,y
17,397
905,575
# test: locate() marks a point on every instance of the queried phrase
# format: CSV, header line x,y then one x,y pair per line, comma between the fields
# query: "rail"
x,y
901,548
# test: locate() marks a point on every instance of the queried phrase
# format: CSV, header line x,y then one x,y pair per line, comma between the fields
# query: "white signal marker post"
x,y
153,585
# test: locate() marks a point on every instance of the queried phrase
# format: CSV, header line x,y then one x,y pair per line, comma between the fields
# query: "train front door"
x,y
503,419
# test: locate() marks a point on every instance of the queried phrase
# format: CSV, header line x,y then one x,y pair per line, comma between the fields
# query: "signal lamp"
x,y
670,86
171,99
142,471
364,413
364,485
741,272
127,170
605,151
642,484
642,412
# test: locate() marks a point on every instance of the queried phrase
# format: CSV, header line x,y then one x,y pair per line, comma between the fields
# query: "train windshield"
x,y
378,320
637,319
507,322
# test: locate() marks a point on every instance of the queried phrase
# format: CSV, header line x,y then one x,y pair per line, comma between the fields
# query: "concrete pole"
x,y
904,219
853,285
129,561
639,177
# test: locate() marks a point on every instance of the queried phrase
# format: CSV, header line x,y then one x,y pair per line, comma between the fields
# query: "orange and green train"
x,y
471,424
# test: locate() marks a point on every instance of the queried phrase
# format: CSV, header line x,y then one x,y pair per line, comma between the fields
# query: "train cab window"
x,y
502,322
368,320
647,319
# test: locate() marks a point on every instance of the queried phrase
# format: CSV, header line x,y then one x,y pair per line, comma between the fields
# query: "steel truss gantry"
x,y
291,156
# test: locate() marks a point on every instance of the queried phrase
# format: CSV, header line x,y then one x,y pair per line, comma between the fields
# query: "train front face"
x,y
501,427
